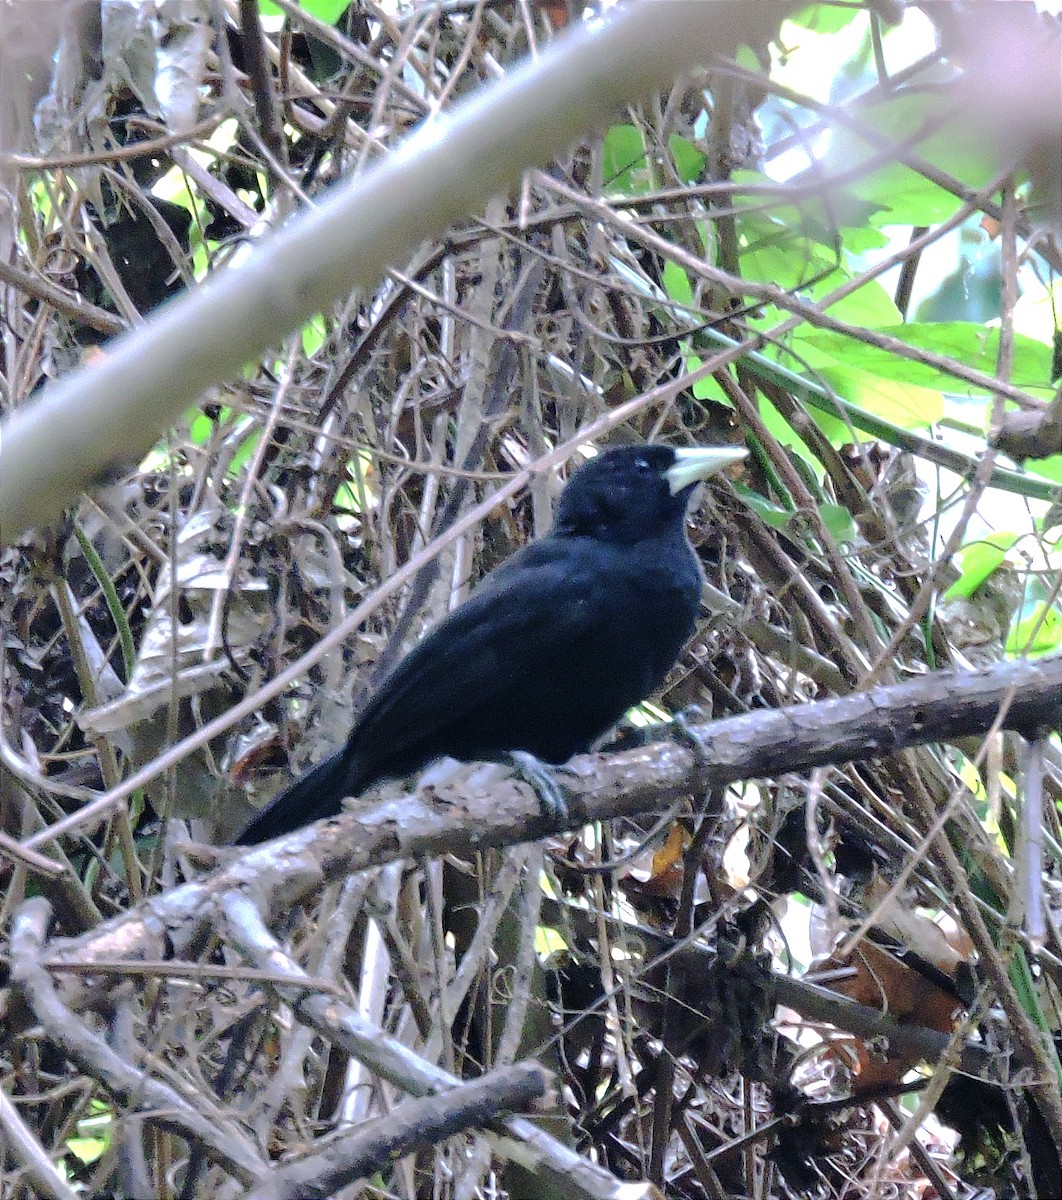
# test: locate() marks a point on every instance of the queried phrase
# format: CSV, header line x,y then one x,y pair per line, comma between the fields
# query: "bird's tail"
x,y
319,793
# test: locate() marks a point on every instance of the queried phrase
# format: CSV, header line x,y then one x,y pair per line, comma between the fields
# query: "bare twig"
x,y
414,1124
132,1087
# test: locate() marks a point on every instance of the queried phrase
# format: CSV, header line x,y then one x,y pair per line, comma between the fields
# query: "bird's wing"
x,y
535,605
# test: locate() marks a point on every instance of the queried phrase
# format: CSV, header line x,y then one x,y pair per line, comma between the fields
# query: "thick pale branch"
x,y
472,812
108,415
23,1146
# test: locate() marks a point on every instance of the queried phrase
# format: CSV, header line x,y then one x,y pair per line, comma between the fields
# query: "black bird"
x,y
548,652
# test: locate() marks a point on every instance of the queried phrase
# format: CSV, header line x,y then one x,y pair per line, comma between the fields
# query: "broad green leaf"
x,y
904,196
346,499
978,347
898,194
774,252
200,257
689,161
858,239
1038,633
93,1133
970,344
770,514
785,260
627,170
978,560
313,335
838,522
1049,468
245,450
328,11
768,317
783,432
905,404
623,166
824,18
707,388
200,428
87,1149
870,306
548,941
41,201
677,283
845,220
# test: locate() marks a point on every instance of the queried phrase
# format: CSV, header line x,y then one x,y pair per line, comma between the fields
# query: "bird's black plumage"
x,y
548,652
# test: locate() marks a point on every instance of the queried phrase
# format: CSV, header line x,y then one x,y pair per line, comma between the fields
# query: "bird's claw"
x,y
552,797
683,731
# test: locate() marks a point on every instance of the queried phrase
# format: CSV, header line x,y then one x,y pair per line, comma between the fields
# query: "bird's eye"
x,y
642,466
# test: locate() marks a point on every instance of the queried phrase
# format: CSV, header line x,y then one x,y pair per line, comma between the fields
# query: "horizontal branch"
x,y
413,1125
695,963
476,808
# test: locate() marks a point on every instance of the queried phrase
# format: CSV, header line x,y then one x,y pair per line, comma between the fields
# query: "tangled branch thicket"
x,y
641,288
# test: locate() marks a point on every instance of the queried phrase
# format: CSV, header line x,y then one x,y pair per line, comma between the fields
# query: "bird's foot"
x,y
552,796
683,730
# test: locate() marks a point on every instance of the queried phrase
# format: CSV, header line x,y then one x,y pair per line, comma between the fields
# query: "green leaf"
x,y
770,514
1049,468
772,252
978,560
346,499
244,451
328,11
549,941
903,196
626,168
200,427
838,522
93,1133
907,405
87,1149
824,18
858,239
313,335
975,346
870,305
689,161
708,388
783,432
623,164
785,263
1038,633
677,283
967,342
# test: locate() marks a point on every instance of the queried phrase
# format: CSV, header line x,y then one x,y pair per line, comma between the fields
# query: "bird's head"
x,y
632,492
